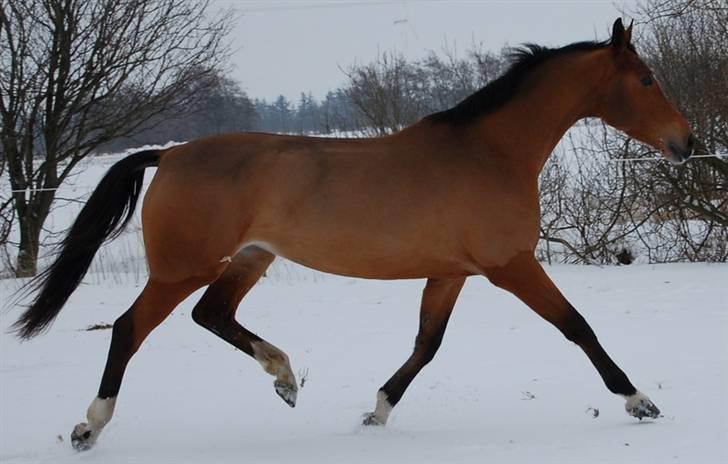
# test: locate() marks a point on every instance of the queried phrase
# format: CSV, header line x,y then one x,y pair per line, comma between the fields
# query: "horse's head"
x,y
634,103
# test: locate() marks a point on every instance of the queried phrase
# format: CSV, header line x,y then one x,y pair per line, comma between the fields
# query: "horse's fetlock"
x,y
274,361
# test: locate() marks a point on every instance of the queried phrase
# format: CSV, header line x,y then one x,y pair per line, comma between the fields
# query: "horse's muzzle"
x,y
679,153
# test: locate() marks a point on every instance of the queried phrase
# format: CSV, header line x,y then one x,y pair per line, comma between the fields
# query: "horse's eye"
x,y
646,81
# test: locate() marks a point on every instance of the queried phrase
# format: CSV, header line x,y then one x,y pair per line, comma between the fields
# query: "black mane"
x,y
491,97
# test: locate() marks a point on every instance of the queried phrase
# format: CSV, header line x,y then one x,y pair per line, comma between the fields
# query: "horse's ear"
x,y
628,32
620,37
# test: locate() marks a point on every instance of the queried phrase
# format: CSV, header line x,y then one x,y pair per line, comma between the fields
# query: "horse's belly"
x,y
367,260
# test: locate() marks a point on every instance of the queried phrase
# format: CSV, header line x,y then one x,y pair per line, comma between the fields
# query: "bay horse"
x,y
454,195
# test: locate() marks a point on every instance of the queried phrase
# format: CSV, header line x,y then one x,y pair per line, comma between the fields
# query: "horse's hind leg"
x,y
438,300
216,313
524,277
154,304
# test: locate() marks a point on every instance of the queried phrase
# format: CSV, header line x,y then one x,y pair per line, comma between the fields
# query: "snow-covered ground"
x,y
505,387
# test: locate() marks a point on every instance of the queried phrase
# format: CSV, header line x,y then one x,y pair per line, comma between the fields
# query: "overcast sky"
x,y
285,47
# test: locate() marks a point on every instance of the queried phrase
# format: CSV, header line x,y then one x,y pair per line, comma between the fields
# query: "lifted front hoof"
x,y
370,419
287,392
82,437
640,406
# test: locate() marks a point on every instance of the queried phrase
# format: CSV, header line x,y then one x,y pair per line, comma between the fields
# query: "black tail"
x,y
104,216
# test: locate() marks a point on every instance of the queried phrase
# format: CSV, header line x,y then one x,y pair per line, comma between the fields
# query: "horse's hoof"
x,y
287,392
371,419
640,406
82,437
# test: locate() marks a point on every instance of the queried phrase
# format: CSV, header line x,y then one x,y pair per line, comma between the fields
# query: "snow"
x,y
505,386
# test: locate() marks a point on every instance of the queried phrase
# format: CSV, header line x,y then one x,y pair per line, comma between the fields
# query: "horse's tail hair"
x,y
103,218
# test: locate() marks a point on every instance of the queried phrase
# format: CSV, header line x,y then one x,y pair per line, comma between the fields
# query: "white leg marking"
x,y
99,414
275,362
639,406
381,412
383,407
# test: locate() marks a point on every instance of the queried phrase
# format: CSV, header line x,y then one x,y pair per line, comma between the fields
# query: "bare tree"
x,y
385,93
450,79
585,199
619,210
64,65
652,10
553,183
7,214
687,46
391,92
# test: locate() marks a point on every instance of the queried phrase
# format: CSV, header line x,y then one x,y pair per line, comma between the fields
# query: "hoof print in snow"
x,y
371,419
287,392
82,438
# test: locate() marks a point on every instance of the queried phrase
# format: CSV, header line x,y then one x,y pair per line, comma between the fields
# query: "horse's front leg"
x,y
524,277
438,300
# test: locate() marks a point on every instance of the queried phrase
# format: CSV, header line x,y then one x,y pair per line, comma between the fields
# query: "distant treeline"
x,y
376,98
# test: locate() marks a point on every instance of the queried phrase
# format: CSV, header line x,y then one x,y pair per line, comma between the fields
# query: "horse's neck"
x,y
527,129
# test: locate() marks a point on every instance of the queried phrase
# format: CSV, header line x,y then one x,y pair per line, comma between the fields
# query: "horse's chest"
x,y
504,226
